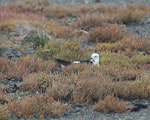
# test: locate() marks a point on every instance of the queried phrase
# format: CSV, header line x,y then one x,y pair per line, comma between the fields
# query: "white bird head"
x,y
95,59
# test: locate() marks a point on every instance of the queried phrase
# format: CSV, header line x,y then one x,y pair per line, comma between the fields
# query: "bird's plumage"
x,y
95,59
62,62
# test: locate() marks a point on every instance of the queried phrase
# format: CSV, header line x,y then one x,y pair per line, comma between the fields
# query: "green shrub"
x,y
69,51
108,58
140,59
7,26
50,50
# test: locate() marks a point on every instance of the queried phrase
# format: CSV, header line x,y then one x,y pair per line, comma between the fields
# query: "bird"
x,y
95,60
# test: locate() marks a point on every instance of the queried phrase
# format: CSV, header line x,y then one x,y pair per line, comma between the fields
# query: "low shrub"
x,y
57,11
8,26
50,50
74,69
119,73
107,33
57,30
41,105
128,16
110,104
132,13
4,114
10,69
89,91
24,66
80,87
123,70
68,51
4,97
111,47
33,64
142,45
71,51
129,46
36,82
106,9
7,14
62,32
133,90
61,89
140,59
108,58
28,6
92,86
80,9
88,21
11,18
144,67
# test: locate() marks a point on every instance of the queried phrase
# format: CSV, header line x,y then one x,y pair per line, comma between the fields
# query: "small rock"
x,y
13,80
141,105
12,87
5,81
136,107
2,102
17,53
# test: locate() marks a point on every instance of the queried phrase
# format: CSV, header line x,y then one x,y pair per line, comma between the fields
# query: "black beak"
x,y
92,61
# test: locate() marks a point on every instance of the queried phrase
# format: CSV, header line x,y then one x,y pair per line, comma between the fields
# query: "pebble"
x,y
12,87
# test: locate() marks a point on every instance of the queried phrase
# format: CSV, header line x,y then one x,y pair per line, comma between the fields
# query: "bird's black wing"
x,y
62,62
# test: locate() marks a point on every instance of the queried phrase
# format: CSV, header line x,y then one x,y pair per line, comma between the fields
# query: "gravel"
x,y
108,2
141,29
124,2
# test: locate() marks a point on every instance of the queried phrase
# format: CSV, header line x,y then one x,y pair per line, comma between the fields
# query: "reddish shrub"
x,y
107,33
88,21
43,105
24,66
110,104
